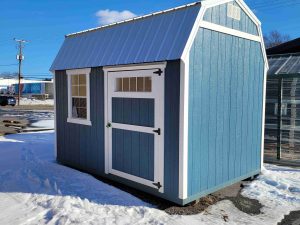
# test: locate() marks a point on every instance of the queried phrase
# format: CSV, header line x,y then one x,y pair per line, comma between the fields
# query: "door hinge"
x,y
158,72
158,185
157,131
108,125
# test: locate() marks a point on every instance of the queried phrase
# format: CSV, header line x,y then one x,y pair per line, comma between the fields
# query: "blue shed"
x,y
170,103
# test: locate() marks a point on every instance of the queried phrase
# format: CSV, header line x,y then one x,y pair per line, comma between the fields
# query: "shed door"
x,y
135,118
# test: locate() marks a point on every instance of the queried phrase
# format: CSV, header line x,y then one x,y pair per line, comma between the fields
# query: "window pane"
x,y
81,113
74,90
140,84
119,84
82,79
133,84
74,79
79,108
82,91
125,84
148,84
82,102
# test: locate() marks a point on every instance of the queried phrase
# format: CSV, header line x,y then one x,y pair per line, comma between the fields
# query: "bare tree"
x,y
275,38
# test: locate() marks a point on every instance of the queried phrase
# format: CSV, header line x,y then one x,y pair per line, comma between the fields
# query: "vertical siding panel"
x,y
192,180
171,157
135,163
226,99
213,92
127,151
245,110
240,99
220,159
233,110
206,115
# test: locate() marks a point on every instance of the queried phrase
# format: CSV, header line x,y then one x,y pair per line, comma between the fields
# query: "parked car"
x,y
7,100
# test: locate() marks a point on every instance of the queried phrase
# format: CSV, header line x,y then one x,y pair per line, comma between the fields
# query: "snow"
x,y
48,124
32,101
34,189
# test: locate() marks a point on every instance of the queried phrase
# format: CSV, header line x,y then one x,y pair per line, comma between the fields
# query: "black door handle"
x,y
157,131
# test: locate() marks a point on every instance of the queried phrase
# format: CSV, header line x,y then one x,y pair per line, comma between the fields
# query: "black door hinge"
x,y
158,185
159,72
157,131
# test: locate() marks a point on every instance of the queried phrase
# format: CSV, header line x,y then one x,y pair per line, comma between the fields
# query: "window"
x,y
133,84
79,96
234,12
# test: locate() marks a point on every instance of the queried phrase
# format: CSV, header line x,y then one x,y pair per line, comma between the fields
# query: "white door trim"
x,y
157,93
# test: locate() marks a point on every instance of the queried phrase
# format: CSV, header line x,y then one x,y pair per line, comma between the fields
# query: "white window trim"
x,y
70,119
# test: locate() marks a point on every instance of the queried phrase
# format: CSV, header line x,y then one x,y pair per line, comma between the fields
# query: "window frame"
x,y
71,119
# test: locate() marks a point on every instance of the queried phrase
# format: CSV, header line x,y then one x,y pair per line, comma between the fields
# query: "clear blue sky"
x,y
45,22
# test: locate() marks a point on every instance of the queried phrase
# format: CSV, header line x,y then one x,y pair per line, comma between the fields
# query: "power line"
x,y
13,64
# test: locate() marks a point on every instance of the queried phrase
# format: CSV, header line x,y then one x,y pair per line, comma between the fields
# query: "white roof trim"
x,y
135,18
211,3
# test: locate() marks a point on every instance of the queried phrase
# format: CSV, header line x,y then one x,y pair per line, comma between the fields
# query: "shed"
x,y
282,127
170,103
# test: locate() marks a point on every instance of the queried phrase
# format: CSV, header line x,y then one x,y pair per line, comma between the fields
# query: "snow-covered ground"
x,y
48,124
29,101
34,189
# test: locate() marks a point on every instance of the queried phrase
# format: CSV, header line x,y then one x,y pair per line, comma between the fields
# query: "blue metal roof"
x,y
157,37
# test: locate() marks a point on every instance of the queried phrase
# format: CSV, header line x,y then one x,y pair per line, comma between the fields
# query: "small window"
x,y
133,84
234,12
78,85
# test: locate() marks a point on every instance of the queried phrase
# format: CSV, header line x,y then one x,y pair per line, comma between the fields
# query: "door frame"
x,y
159,121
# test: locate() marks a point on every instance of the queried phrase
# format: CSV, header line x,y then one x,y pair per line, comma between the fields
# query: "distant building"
x,y
282,121
30,88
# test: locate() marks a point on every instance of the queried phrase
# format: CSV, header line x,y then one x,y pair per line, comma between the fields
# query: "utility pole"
x,y
20,57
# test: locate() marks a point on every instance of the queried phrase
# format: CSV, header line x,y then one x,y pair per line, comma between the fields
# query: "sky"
x,y
45,22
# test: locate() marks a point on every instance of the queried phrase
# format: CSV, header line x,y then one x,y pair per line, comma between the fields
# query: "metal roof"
x,y
284,64
156,37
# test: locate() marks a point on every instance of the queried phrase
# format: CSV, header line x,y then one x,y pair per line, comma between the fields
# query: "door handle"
x,y
157,131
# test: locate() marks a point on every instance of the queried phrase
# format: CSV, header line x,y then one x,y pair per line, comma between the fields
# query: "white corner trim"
x,y
70,119
55,119
226,30
255,20
263,117
263,48
248,11
183,128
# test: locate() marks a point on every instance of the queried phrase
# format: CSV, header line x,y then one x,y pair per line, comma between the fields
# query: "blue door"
x,y
135,125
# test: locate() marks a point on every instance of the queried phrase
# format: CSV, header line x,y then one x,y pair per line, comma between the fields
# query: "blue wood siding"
x,y
82,147
78,145
218,15
133,111
133,153
225,110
